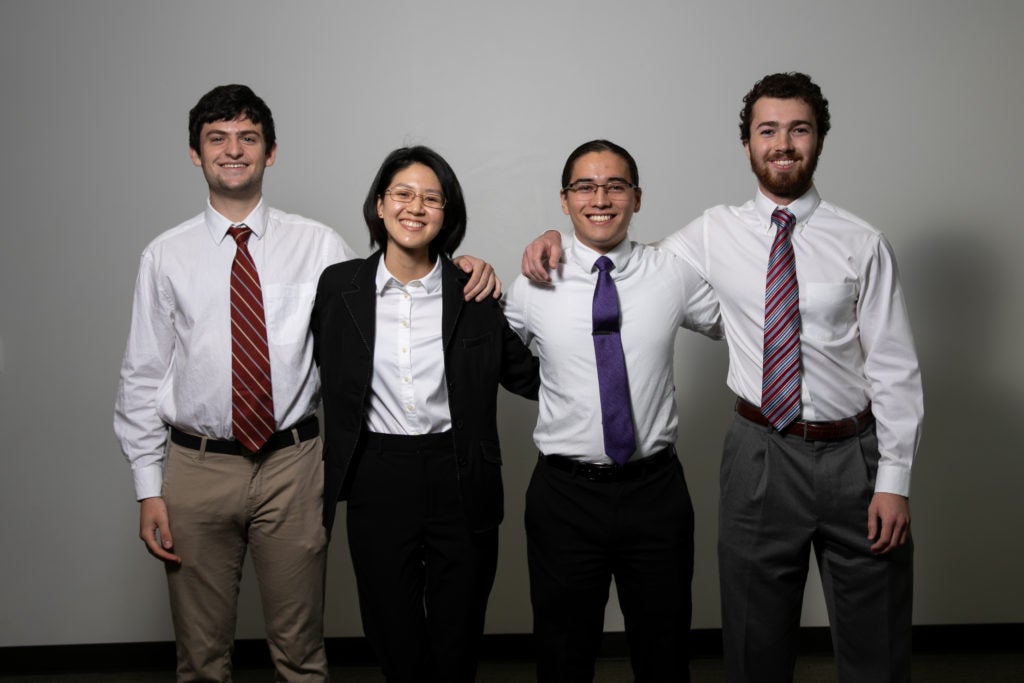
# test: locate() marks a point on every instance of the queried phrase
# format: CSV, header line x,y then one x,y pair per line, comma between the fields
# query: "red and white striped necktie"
x,y
252,403
780,384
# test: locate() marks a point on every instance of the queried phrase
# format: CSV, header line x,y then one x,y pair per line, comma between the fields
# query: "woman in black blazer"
x,y
410,374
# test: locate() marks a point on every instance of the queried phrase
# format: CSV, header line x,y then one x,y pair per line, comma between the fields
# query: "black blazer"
x,y
480,350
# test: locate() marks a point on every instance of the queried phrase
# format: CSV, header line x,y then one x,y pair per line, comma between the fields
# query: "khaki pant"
x,y
220,505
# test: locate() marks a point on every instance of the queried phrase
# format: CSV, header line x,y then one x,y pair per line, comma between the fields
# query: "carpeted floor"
x,y
952,667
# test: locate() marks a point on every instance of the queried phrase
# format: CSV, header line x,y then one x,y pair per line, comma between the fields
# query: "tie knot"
x,y
604,264
240,233
783,218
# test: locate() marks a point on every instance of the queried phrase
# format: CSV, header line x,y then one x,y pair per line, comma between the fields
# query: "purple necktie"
x,y
780,383
616,414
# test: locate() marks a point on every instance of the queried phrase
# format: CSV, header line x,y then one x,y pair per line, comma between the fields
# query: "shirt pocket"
x,y
830,309
288,307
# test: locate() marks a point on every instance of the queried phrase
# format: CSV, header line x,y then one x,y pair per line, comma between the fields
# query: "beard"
x,y
786,186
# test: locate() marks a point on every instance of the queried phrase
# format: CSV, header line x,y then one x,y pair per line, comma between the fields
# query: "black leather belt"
x,y
631,470
812,431
307,429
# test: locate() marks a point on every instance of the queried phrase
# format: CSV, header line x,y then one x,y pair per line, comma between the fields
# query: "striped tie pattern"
x,y
252,405
780,384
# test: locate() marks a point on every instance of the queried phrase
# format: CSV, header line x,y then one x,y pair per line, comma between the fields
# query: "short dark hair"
x,y
600,146
227,103
453,229
786,86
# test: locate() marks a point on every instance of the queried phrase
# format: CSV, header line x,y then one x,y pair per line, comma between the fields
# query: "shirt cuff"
x,y
148,480
893,479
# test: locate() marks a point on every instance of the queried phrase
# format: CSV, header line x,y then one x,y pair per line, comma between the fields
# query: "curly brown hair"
x,y
786,86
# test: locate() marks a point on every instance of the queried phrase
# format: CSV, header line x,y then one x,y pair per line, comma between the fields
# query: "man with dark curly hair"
x,y
829,405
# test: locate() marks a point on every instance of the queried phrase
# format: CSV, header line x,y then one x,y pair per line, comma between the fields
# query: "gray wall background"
x,y
926,98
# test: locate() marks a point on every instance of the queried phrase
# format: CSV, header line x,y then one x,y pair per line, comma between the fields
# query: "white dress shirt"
x,y
657,293
408,393
855,336
177,363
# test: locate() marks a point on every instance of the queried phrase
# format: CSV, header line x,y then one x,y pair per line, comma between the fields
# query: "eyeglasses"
x,y
615,189
431,200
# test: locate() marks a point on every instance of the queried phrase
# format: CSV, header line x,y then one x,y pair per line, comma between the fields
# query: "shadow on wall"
x,y
969,470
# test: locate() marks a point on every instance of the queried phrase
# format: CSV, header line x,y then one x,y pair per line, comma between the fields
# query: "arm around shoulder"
x,y
520,369
542,255
483,282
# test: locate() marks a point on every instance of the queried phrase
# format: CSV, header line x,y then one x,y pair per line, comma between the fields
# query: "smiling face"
x,y
599,221
783,148
412,226
233,155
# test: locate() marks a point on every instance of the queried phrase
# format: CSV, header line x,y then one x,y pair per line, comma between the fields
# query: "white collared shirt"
x,y
177,363
408,393
658,293
855,336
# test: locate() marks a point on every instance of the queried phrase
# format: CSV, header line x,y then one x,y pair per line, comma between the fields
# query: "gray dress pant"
x,y
781,496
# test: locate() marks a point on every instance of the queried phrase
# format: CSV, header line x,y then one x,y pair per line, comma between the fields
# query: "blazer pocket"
x,y
490,451
472,342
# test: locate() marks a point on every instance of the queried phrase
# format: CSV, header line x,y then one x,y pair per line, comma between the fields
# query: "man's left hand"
x,y
482,280
888,522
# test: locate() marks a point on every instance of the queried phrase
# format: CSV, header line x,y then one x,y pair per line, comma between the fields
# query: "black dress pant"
x,y
423,577
580,533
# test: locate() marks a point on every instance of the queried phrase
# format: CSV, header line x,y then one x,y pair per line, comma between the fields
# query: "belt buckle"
x,y
599,473
807,429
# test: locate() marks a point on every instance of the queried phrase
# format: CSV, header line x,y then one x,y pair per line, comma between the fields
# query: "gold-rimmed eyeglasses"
x,y
404,195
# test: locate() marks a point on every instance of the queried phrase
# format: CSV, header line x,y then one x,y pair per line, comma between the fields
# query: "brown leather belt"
x,y
812,431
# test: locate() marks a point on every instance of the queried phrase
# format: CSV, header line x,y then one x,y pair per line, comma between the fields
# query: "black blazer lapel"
x,y
453,281
359,300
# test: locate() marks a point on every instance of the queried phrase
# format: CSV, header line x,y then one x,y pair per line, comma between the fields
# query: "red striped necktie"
x,y
780,387
252,404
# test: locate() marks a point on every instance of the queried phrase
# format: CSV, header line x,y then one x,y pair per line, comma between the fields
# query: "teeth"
x,y
413,224
601,217
784,162
234,165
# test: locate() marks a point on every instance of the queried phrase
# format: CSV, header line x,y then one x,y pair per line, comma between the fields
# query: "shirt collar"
x,y
218,224
802,208
585,257
431,282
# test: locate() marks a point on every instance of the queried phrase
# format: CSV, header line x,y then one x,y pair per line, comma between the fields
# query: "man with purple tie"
x,y
608,497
